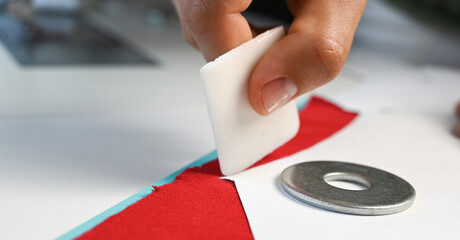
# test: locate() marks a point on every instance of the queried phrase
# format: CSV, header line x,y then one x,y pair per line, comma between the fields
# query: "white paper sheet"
x,y
404,127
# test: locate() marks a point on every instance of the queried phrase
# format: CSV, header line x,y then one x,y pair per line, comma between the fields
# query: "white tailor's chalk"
x,y
242,136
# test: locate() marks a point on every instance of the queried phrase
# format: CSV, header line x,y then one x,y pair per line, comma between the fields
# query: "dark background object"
x,y
440,12
274,8
48,37
77,44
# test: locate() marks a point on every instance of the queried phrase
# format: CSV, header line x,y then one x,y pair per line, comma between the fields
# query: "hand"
x,y
312,53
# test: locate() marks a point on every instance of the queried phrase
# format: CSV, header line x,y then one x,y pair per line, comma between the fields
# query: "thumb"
x,y
312,53
292,68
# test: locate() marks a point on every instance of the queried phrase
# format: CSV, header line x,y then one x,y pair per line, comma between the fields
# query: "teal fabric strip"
x,y
88,225
302,102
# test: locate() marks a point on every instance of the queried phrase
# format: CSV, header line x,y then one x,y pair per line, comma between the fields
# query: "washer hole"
x,y
347,181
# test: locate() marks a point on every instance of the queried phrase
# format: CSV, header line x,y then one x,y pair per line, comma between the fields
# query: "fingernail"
x,y
277,93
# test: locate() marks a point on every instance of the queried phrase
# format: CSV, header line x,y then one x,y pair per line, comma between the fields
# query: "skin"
x,y
311,54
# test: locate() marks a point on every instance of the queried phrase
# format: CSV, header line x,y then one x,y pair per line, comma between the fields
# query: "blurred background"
x,y
94,95
86,32
86,37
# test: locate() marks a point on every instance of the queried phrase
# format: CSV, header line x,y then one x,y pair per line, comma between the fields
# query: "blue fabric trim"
x,y
88,225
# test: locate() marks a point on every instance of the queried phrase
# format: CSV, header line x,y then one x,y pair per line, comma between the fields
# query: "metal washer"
x,y
386,192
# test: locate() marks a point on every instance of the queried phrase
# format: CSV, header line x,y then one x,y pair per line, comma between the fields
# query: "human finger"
x,y
312,53
214,26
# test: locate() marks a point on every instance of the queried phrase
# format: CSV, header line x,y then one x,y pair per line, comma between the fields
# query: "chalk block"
x,y
242,136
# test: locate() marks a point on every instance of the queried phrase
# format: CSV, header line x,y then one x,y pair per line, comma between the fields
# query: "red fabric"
x,y
200,205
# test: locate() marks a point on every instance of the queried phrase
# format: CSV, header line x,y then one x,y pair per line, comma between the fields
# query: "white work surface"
x,y
405,126
76,141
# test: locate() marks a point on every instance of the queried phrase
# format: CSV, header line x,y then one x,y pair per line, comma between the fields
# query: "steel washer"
x,y
386,192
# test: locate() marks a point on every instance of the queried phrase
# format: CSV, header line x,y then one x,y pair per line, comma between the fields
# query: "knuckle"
x,y
331,55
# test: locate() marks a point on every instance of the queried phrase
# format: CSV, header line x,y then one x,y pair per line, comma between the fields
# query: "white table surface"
x,y
75,141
